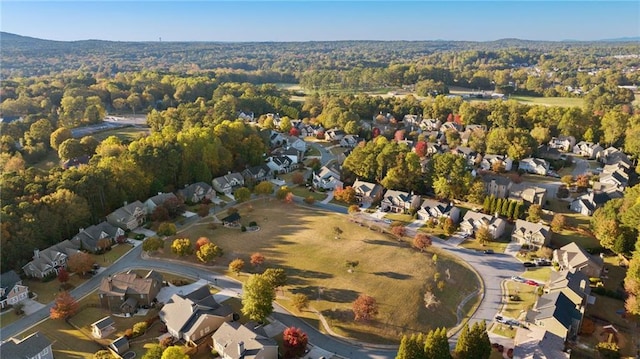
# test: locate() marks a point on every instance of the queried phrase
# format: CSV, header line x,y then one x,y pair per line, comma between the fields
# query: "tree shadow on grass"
x,y
385,243
327,294
393,275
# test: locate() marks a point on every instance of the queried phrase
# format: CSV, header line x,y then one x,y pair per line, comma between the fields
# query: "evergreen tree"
x,y
486,206
519,211
475,344
437,345
462,346
512,210
411,347
505,208
494,203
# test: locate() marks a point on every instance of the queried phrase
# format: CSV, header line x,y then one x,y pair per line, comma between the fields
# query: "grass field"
x,y
47,291
301,242
549,101
498,245
113,255
399,217
125,134
304,192
528,297
577,224
540,274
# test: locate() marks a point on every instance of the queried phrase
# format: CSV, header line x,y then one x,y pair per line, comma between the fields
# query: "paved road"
x,y
582,167
325,155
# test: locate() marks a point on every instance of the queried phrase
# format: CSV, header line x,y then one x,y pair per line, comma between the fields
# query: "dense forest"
x,y
192,94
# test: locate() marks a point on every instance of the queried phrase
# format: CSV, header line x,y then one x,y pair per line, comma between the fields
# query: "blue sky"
x,y
320,20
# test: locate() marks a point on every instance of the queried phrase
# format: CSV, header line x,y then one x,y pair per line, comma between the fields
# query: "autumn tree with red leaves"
x,y
63,276
80,263
365,307
64,307
295,342
257,259
422,241
201,242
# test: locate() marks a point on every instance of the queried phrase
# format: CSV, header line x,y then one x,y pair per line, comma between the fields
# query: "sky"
x,y
320,20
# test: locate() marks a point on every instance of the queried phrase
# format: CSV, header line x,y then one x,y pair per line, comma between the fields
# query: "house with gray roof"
x,y
532,234
88,239
327,178
472,221
586,149
497,186
194,316
228,183
399,202
538,343
574,284
589,202
534,165
103,328
367,192
128,217
257,174
12,291
49,261
572,257
197,192
236,341
280,164
563,143
488,161
34,346
529,194
556,313
158,200
120,345
433,209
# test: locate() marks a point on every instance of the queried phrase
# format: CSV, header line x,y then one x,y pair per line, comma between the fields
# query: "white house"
x,y
228,183
489,160
327,178
587,149
563,143
534,165
398,201
367,192
432,209
350,141
279,164
472,221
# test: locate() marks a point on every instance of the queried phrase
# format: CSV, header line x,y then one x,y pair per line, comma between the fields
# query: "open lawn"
x,y
68,342
577,229
301,241
47,291
113,255
504,330
312,152
399,217
498,246
8,317
539,274
549,101
614,273
337,150
528,296
304,192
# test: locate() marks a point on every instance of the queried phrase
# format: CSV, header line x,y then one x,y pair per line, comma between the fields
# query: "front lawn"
x,y
526,298
8,317
312,152
399,217
113,255
504,330
68,342
539,274
47,291
304,192
497,246
614,273
302,242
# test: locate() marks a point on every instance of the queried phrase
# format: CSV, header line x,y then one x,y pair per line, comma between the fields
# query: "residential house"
x,y
488,162
76,162
247,117
572,257
228,183
49,261
10,119
197,192
334,135
612,154
231,220
432,148
193,316
158,200
120,345
497,186
125,292
589,202
615,175
236,341
276,139
432,209
474,127
399,202
450,126
129,216
586,149
295,155
531,234
327,178
538,343
34,346
275,118
472,157
534,165
350,141
470,130
549,153
472,221
556,313
367,192
257,174
412,120
307,130
12,291
563,143
574,284
430,124
280,164
88,239
298,144
103,327
531,195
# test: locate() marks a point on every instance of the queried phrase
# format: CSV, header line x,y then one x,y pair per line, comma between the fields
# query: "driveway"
x,y
31,306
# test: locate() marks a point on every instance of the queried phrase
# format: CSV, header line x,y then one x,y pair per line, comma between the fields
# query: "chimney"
x,y
159,193
126,203
240,347
80,230
36,253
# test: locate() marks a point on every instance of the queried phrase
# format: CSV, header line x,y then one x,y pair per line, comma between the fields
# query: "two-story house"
x,y
34,346
257,174
432,209
125,292
472,221
128,217
228,183
197,192
367,192
531,234
89,239
327,178
534,165
563,143
12,291
497,186
489,162
234,341
572,257
158,200
586,149
49,261
529,194
399,202
280,164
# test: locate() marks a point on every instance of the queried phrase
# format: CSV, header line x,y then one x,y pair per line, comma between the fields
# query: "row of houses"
x,y
194,317
557,315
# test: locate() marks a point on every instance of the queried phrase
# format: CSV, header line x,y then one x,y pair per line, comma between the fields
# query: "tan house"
x,y
235,341
399,202
574,284
367,192
192,317
129,216
556,313
537,343
572,257
531,195
12,291
125,292
497,186
197,192
532,234
472,221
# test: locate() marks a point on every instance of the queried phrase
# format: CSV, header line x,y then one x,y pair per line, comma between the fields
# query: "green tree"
x,y
473,343
59,136
477,193
511,212
558,222
410,348
276,276
534,213
181,246
207,252
70,148
174,352
236,266
153,352
258,296
103,354
483,235
152,244
436,345
167,229
242,194
614,125
263,188
39,132
300,301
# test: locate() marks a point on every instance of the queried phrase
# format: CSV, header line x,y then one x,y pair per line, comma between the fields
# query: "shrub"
x,y
139,329
243,228
253,224
128,333
309,200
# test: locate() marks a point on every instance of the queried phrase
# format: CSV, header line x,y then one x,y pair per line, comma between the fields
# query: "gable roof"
x,y
556,304
574,280
576,255
44,259
367,188
130,283
8,280
436,208
255,170
231,218
160,198
230,335
182,311
28,347
103,323
126,211
191,189
523,227
397,197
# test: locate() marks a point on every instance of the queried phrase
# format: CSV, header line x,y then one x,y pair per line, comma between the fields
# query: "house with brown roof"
x,y
49,261
367,192
193,316
125,292
572,257
128,217
236,341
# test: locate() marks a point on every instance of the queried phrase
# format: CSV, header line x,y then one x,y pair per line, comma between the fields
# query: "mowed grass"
x,y
113,255
528,296
68,342
47,291
302,242
549,101
498,246
304,192
577,229
539,274
125,134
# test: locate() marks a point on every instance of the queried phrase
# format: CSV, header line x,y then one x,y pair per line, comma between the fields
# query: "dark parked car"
x,y
529,264
488,251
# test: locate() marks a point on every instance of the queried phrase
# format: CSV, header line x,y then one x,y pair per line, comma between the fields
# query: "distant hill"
x,y
623,39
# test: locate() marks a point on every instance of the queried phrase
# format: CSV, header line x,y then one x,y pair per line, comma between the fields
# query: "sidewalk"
x,y
329,198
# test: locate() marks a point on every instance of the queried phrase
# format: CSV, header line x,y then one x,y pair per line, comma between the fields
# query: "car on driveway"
x,y
500,319
541,262
387,221
518,279
531,283
489,251
529,264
